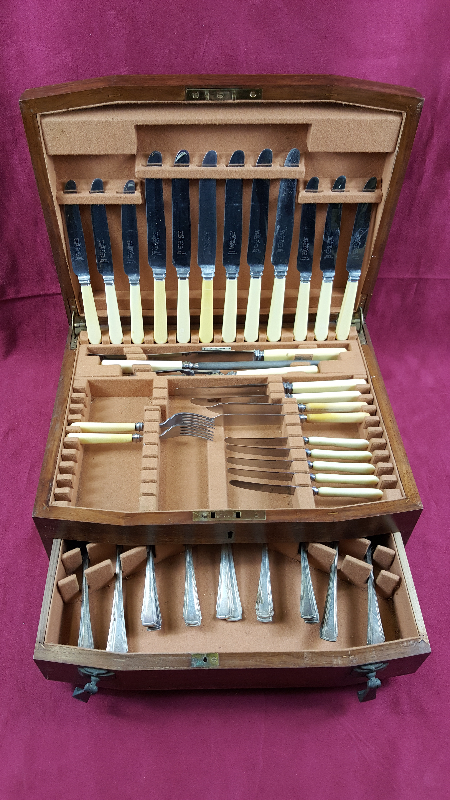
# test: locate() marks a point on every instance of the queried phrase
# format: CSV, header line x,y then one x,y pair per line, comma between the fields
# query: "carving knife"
x,y
281,248
156,244
318,409
328,262
305,262
232,242
207,238
80,265
358,492
289,356
130,248
103,257
181,246
354,262
246,367
257,242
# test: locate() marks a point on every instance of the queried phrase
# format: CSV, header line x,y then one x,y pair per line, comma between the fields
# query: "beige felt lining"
x,y
287,633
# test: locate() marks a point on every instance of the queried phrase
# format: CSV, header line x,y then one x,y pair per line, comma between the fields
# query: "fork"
x,y
187,418
188,430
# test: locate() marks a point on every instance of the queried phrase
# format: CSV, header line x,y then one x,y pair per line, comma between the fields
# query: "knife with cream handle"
x,y
103,257
181,246
328,262
156,247
305,262
257,242
130,250
232,242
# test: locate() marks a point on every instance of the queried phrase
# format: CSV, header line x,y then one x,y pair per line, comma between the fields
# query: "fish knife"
x,y
130,249
257,242
206,253
328,262
156,246
354,262
80,265
232,243
305,261
281,248
103,257
181,246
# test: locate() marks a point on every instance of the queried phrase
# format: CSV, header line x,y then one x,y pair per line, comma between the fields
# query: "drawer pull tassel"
x,y
90,688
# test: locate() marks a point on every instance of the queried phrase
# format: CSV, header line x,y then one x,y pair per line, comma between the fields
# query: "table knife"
x,y
181,246
80,265
354,262
103,257
328,262
130,249
232,243
156,245
206,253
318,477
305,262
257,242
361,493
281,248
284,465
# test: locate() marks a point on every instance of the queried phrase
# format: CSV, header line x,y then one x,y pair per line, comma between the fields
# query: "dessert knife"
x,y
130,249
232,242
317,464
156,246
328,262
206,253
257,242
103,257
316,477
281,249
80,265
354,262
361,493
305,262
181,246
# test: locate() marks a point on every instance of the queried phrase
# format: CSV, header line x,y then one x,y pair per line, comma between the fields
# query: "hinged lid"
x,y
106,129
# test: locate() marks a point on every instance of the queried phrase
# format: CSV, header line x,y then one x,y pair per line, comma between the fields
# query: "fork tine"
x,y
183,418
187,430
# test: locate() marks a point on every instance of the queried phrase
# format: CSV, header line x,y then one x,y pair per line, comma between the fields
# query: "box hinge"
x,y
229,93
204,660
226,516
78,324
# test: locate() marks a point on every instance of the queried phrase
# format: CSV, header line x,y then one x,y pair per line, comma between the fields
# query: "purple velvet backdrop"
x,y
243,745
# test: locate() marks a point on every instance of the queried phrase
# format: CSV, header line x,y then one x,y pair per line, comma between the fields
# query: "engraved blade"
x,y
284,222
150,614
191,606
102,242
207,223
359,234
307,234
181,220
117,635
331,233
75,235
130,241
329,625
264,602
232,230
156,225
308,606
85,637
259,215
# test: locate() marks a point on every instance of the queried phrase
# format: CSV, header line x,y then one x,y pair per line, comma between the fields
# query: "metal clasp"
x,y
204,660
230,93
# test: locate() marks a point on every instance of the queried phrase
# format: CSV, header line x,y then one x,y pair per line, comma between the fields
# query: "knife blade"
x,y
80,266
220,391
272,441
328,261
281,248
260,463
130,249
181,246
156,247
290,356
305,262
354,262
257,242
232,243
251,398
262,475
103,257
262,452
362,493
262,409
206,253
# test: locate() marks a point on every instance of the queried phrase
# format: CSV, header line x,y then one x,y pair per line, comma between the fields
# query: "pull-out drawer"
x,y
223,654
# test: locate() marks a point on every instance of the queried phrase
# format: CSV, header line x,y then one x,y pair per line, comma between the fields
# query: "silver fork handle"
x,y
228,604
150,614
375,633
329,626
117,635
264,602
191,606
308,606
85,637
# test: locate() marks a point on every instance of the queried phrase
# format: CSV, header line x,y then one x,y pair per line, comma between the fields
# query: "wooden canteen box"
x,y
173,493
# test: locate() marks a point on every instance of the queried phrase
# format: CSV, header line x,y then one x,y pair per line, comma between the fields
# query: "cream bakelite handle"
x,y
329,397
137,325
358,416
230,311
251,329
276,310
301,314
367,494
344,407
323,311
355,444
206,331
362,480
280,371
336,466
156,366
112,309
315,353
104,427
342,455
326,386
183,312
159,312
90,313
101,438
345,315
